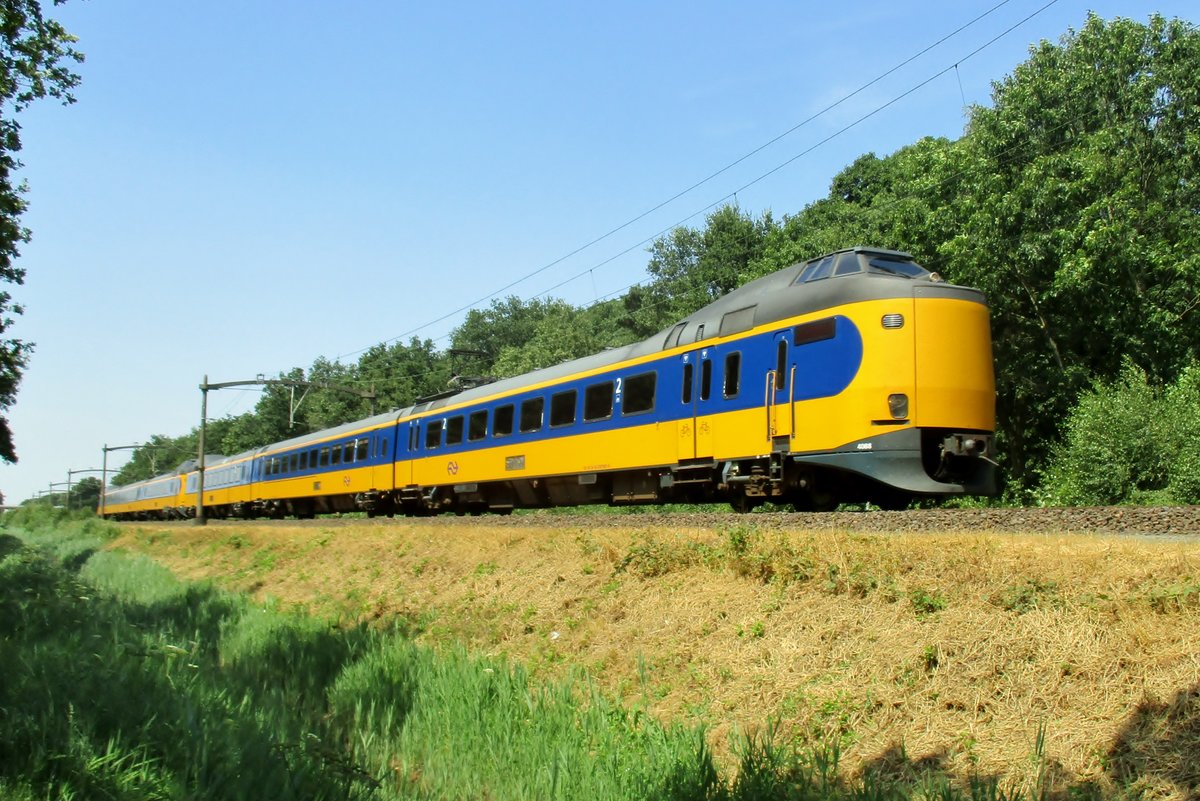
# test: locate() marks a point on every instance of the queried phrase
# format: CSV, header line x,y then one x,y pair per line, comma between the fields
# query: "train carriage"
x,y
337,470
155,498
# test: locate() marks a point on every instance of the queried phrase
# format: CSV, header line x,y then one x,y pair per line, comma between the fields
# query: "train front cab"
x,y
917,420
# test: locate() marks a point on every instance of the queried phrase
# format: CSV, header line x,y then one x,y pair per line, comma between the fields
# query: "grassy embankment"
x,y
1069,660
122,682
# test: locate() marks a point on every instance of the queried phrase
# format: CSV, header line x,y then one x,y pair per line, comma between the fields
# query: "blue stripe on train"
x,y
822,369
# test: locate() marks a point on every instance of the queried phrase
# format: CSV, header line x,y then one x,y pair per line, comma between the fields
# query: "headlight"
x,y
898,404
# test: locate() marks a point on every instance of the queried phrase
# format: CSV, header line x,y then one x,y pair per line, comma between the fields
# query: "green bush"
x,y
1181,404
1129,442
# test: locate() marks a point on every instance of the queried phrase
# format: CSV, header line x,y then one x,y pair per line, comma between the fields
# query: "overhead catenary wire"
x,y
804,152
897,98
709,178
873,209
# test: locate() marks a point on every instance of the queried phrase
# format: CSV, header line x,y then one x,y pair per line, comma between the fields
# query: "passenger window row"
x,y
635,395
349,452
224,475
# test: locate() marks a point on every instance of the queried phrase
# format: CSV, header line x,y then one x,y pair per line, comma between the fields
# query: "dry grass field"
x,y
1073,655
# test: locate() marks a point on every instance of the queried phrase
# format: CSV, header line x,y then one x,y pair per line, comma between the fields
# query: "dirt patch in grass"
x,y
960,653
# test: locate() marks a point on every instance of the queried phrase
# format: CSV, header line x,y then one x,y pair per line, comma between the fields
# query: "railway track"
x,y
1140,520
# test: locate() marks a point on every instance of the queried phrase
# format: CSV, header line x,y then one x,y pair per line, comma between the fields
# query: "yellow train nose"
x,y
954,374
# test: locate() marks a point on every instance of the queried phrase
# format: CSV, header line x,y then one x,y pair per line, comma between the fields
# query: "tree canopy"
x,y
36,55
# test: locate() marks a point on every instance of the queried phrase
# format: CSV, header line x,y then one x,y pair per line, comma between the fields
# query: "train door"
x,y
385,450
780,390
407,442
695,427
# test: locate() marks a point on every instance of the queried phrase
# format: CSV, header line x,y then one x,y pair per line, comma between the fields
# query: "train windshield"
x,y
856,262
887,266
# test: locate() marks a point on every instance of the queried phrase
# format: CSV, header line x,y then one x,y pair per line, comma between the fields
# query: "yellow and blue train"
x,y
858,376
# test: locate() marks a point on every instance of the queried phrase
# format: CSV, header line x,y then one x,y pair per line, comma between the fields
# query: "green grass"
x,y
120,682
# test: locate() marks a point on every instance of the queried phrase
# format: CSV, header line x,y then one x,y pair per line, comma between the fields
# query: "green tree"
x,y
903,201
563,334
506,324
400,373
35,62
275,410
691,268
86,494
323,407
244,432
1078,218
160,455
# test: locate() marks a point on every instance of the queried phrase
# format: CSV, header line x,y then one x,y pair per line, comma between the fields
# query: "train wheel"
x,y
814,502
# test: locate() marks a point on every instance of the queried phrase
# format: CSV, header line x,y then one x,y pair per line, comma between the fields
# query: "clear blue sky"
x,y
243,187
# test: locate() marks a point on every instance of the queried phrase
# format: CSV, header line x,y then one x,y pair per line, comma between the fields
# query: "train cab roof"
x,y
854,261
855,274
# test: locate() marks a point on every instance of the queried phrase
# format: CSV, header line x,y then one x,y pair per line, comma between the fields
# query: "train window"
x,y
816,331
562,408
502,421
780,364
893,266
324,457
294,463
433,434
687,382
348,452
673,336
847,263
412,436
808,270
531,414
477,425
639,393
705,379
822,270
383,447
454,430
335,454
733,374
598,401
312,458
362,447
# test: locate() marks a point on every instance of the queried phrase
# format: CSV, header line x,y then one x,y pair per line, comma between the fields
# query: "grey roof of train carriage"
x,y
331,433
772,297
135,484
